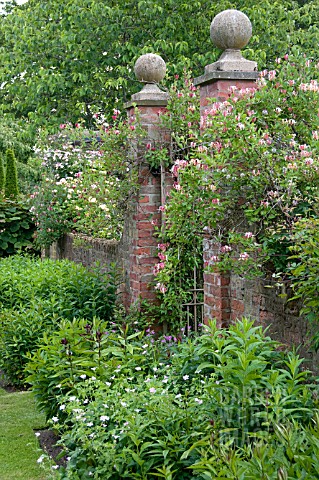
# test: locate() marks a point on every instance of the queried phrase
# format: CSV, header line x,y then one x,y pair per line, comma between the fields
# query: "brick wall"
x,y
226,297
86,250
230,297
141,255
262,301
136,254
216,289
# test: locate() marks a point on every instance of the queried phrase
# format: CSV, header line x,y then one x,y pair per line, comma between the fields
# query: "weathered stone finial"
x,y
150,69
231,31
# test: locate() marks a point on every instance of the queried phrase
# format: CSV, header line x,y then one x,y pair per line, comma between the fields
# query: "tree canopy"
x,y
60,56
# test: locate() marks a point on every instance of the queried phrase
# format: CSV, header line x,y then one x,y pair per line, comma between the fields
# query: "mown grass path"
x,y
19,448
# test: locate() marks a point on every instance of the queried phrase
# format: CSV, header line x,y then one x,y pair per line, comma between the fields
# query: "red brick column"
x,y
218,304
142,255
218,85
142,252
230,31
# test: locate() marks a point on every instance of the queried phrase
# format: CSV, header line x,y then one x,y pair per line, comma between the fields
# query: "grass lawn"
x,y
19,448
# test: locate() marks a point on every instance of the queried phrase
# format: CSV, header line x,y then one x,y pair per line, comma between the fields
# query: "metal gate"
x,y
194,309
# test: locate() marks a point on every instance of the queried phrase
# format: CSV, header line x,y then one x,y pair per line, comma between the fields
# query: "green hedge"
x,y
36,295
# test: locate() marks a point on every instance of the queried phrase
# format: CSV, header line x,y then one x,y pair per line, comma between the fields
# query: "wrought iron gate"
x,y
194,309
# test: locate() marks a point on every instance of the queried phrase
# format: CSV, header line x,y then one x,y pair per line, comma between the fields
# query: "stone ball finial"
x,y
150,68
230,29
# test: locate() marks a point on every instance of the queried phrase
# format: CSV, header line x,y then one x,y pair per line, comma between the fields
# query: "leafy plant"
x,y
18,135
304,269
254,386
243,178
73,291
71,353
291,452
58,79
28,177
16,228
21,334
88,179
50,214
36,297
173,407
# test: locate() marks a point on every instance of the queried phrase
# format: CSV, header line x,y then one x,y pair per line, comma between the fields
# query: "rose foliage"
x,y
87,180
243,178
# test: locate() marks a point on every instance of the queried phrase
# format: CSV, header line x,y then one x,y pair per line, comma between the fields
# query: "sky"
x,y
20,2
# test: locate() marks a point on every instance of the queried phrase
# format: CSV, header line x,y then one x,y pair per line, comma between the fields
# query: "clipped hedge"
x,y
11,189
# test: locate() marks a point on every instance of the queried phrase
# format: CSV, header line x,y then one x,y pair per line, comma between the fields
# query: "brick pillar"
x,y
217,85
230,31
141,243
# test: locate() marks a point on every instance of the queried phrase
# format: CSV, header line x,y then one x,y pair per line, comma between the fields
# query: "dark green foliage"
x,y
304,270
16,228
64,56
17,135
80,347
11,189
28,178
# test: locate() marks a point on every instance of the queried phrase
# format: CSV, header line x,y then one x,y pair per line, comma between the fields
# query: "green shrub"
x,y
173,408
63,357
35,296
18,136
83,349
248,206
28,178
11,189
135,430
21,334
290,452
16,228
83,189
73,291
